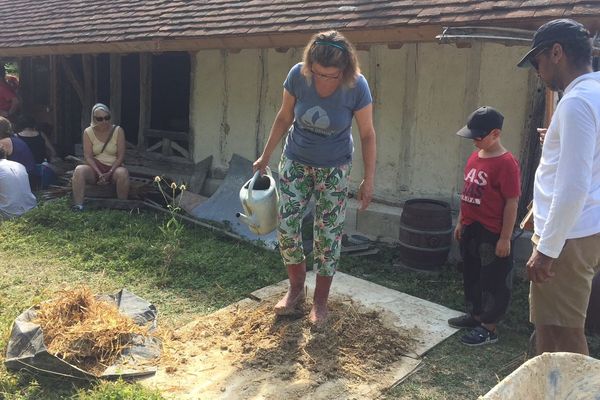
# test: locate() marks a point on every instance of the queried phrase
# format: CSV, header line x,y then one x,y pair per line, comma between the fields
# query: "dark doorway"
x,y
130,100
170,92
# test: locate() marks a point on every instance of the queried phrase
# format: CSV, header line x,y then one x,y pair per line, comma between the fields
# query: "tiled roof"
x,y
40,23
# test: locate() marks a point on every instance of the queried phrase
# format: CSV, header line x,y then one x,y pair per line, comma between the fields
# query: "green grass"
x,y
52,248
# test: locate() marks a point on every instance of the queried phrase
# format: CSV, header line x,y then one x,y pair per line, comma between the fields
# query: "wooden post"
x,y
54,100
88,89
530,153
115,87
145,97
191,131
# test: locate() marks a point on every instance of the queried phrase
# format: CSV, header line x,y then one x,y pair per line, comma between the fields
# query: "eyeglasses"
x,y
100,119
324,76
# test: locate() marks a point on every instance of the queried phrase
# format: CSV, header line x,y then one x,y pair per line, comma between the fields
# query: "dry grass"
x,y
85,331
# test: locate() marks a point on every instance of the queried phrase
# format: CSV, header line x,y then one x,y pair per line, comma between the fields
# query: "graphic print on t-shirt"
x,y
475,183
316,120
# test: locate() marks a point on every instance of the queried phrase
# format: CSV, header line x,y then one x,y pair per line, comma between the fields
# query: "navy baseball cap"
x,y
481,122
555,31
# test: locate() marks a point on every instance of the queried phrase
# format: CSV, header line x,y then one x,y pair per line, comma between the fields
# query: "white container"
x,y
551,376
259,199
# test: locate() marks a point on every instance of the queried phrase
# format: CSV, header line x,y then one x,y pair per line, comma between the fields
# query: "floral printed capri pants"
x,y
297,184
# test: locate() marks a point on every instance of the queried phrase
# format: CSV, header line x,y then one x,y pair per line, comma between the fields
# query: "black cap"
x,y
481,122
556,31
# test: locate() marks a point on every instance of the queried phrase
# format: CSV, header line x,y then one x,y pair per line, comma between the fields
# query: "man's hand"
x,y
538,267
502,248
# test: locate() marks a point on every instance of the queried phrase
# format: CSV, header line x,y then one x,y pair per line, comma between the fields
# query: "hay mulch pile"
x,y
84,331
353,344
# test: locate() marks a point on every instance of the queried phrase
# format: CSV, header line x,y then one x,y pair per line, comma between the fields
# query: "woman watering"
x,y
321,96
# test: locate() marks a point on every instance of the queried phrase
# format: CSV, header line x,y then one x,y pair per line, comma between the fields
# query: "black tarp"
x,y
26,348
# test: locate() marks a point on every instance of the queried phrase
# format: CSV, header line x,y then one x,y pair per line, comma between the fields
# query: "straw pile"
x,y
354,344
85,331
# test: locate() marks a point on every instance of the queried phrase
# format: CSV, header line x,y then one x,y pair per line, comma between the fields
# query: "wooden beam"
x,y
54,100
180,150
77,86
171,135
115,87
166,147
191,106
531,149
145,96
155,146
89,97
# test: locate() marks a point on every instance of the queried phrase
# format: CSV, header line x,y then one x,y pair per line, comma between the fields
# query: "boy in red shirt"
x,y
488,210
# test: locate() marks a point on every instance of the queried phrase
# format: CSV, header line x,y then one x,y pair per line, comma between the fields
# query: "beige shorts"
x,y
563,300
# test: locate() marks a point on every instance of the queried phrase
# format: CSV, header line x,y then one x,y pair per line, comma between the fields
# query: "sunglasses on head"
x,y
100,119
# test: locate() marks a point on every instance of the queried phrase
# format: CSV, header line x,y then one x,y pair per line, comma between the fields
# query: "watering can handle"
x,y
254,178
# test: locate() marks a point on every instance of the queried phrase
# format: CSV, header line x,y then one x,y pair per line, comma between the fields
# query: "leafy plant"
x,y
173,227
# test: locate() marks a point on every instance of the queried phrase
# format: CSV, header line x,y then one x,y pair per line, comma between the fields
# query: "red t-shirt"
x,y
6,96
488,183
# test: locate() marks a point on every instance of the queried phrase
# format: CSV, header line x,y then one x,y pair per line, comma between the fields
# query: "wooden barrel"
x,y
592,322
425,234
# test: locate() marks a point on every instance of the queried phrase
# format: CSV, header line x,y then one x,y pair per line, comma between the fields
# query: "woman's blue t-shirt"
x,y
321,135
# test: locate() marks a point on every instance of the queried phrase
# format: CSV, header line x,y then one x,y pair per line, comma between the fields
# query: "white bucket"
x,y
551,376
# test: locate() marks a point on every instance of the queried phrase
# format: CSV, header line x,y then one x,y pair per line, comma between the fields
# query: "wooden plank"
x,y
145,97
171,135
355,247
115,87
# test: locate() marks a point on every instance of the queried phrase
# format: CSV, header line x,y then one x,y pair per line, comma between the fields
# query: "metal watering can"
x,y
259,199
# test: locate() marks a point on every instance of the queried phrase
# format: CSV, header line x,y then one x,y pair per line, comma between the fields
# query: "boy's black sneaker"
x,y
77,208
464,321
479,336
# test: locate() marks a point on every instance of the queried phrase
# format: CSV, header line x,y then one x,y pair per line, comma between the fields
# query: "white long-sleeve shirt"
x,y
566,199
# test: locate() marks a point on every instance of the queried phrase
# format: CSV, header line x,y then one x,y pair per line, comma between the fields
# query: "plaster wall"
x,y
422,96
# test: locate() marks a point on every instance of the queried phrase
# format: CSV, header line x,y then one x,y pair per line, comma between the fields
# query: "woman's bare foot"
x,y
288,305
318,315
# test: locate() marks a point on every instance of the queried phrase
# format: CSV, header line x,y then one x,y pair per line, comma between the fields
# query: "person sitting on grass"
x,y
15,193
488,211
104,152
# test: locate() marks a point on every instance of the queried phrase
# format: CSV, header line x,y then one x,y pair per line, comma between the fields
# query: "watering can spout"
x,y
250,221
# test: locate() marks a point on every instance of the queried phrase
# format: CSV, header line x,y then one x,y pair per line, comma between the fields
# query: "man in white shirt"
x,y
15,193
566,198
